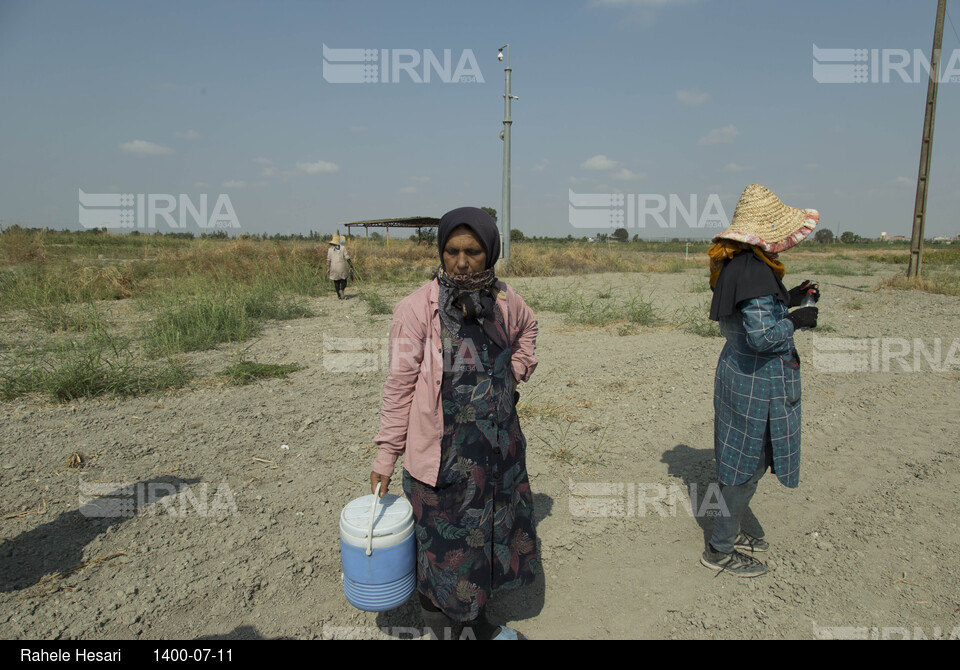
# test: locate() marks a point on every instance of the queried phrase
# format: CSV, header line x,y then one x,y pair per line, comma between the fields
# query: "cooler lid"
x,y
392,516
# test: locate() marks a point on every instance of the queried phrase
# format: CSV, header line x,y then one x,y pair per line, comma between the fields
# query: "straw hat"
x,y
336,239
765,222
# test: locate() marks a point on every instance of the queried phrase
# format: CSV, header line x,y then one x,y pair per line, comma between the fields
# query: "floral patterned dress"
x,y
475,528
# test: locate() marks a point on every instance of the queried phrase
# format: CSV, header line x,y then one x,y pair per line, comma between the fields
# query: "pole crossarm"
x,y
408,222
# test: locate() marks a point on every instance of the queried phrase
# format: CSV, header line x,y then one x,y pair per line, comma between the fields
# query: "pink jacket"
x,y
411,417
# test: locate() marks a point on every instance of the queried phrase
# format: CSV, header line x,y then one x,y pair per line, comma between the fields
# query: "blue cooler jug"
x,y
378,552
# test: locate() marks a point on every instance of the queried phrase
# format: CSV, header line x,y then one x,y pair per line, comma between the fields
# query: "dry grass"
x,y
21,246
945,282
547,259
77,459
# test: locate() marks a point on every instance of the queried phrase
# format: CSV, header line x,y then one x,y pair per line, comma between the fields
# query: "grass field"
x,y
63,338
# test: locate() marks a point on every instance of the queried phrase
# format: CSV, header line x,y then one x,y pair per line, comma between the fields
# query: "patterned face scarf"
x,y
473,295
470,296
466,296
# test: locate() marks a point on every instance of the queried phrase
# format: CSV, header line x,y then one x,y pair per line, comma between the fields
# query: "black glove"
x,y
805,317
798,293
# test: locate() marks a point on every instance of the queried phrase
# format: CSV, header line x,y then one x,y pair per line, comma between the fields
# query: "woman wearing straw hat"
x,y
757,383
458,347
338,261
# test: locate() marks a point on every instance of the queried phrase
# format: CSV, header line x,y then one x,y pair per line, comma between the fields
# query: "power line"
x,y
953,26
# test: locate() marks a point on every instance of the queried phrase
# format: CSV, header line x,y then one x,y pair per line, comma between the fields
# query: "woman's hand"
x,y
805,317
383,480
798,293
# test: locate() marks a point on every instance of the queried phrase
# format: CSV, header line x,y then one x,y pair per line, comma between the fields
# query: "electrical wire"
x,y
951,24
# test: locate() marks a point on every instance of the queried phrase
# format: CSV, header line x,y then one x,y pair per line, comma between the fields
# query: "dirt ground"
x,y
232,530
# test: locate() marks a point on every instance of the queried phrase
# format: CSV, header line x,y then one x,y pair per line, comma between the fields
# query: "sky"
x,y
659,112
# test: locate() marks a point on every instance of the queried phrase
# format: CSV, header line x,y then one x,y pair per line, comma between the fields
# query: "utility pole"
x,y
505,136
926,147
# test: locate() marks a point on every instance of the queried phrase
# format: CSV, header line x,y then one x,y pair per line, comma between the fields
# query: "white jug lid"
x,y
394,514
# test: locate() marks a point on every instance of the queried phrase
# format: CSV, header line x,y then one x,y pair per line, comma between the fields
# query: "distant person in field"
x,y
757,385
459,345
339,265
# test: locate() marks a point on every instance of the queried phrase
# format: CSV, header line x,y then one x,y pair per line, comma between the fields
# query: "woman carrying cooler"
x,y
458,347
757,383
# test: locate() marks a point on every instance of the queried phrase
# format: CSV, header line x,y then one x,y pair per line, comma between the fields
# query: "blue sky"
x,y
690,98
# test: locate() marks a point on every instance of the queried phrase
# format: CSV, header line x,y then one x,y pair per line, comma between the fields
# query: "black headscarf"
x,y
744,277
480,223
471,295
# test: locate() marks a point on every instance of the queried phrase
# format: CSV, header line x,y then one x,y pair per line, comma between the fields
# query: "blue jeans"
x,y
737,500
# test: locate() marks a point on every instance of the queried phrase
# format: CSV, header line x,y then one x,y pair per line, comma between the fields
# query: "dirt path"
x,y
240,488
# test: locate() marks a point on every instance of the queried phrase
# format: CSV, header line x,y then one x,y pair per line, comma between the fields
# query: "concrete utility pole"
x,y
926,147
505,136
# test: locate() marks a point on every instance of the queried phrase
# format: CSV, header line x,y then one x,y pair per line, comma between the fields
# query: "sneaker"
x,y
748,542
735,563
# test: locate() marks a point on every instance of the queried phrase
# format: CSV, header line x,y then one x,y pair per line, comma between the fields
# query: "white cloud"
x,y
641,3
640,13
421,180
905,181
189,135
200,184
407,190
692,97
734,168
623,174
599,162
812,166
724,135
541,166
269,171
357,129
144,148
320,167
233,184
263,161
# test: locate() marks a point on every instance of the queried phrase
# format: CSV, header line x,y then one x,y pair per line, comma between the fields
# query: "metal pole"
x,y
507,123
926,147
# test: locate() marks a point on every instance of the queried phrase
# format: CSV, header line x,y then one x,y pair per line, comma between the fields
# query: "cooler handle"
x,y
373,515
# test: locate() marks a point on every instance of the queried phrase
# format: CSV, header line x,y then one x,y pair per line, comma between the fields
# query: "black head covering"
x,y
472,295
479,222
744,277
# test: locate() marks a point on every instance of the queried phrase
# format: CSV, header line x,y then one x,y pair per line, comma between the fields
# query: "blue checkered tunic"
x,y
757,385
